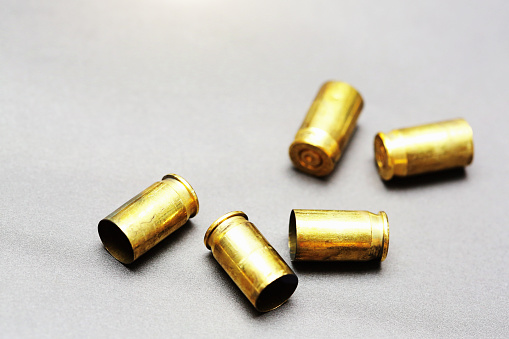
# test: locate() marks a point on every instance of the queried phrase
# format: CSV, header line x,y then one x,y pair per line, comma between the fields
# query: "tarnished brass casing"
x,y
318,235
328,125
425,148
145,220
251,262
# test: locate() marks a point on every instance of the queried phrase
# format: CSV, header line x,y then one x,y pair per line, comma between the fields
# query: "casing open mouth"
x,y
115,241
276,293
292,236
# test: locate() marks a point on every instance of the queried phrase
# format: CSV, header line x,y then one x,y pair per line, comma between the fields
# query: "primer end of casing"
x,y
382,157
311,159
219,221
189,188
385,248
314,152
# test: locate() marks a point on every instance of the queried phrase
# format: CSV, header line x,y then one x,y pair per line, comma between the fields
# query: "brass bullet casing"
x,y
425,148
328,125
149,217
251,262
319,235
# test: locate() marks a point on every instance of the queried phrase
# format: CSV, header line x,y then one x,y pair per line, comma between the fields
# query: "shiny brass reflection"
x,y
425,148
322,235
251,262
328,125
149,217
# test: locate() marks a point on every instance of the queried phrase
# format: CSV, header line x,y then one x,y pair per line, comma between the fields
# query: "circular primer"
x,y
311,159
385,168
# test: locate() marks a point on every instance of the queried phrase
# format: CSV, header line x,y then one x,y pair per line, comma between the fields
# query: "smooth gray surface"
x,y
99,99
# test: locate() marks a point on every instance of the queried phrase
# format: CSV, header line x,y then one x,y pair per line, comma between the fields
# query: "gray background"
x,y
99,99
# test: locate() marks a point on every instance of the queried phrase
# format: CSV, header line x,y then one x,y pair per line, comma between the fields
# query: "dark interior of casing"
x,y
292,236
116,242
276,293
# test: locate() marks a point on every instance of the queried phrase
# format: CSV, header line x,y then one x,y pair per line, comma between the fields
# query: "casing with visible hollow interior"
x,y
251,262
149,217
328,125
322,235
425,148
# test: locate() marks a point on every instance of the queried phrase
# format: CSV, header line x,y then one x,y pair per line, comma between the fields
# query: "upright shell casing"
x,y
251,262
328,126
149,217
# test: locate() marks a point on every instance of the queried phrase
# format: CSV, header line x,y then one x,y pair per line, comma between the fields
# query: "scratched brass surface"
x,y
321,235
326,129
251,262
425,148
149,217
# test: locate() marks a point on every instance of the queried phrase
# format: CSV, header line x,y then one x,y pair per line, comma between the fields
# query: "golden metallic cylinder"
x,y
145,220
316,235
251,262
425,148
328,125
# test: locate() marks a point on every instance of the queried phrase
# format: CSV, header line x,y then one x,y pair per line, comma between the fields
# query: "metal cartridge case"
x,y
328,125
317,235
145,220
425,148
251,262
